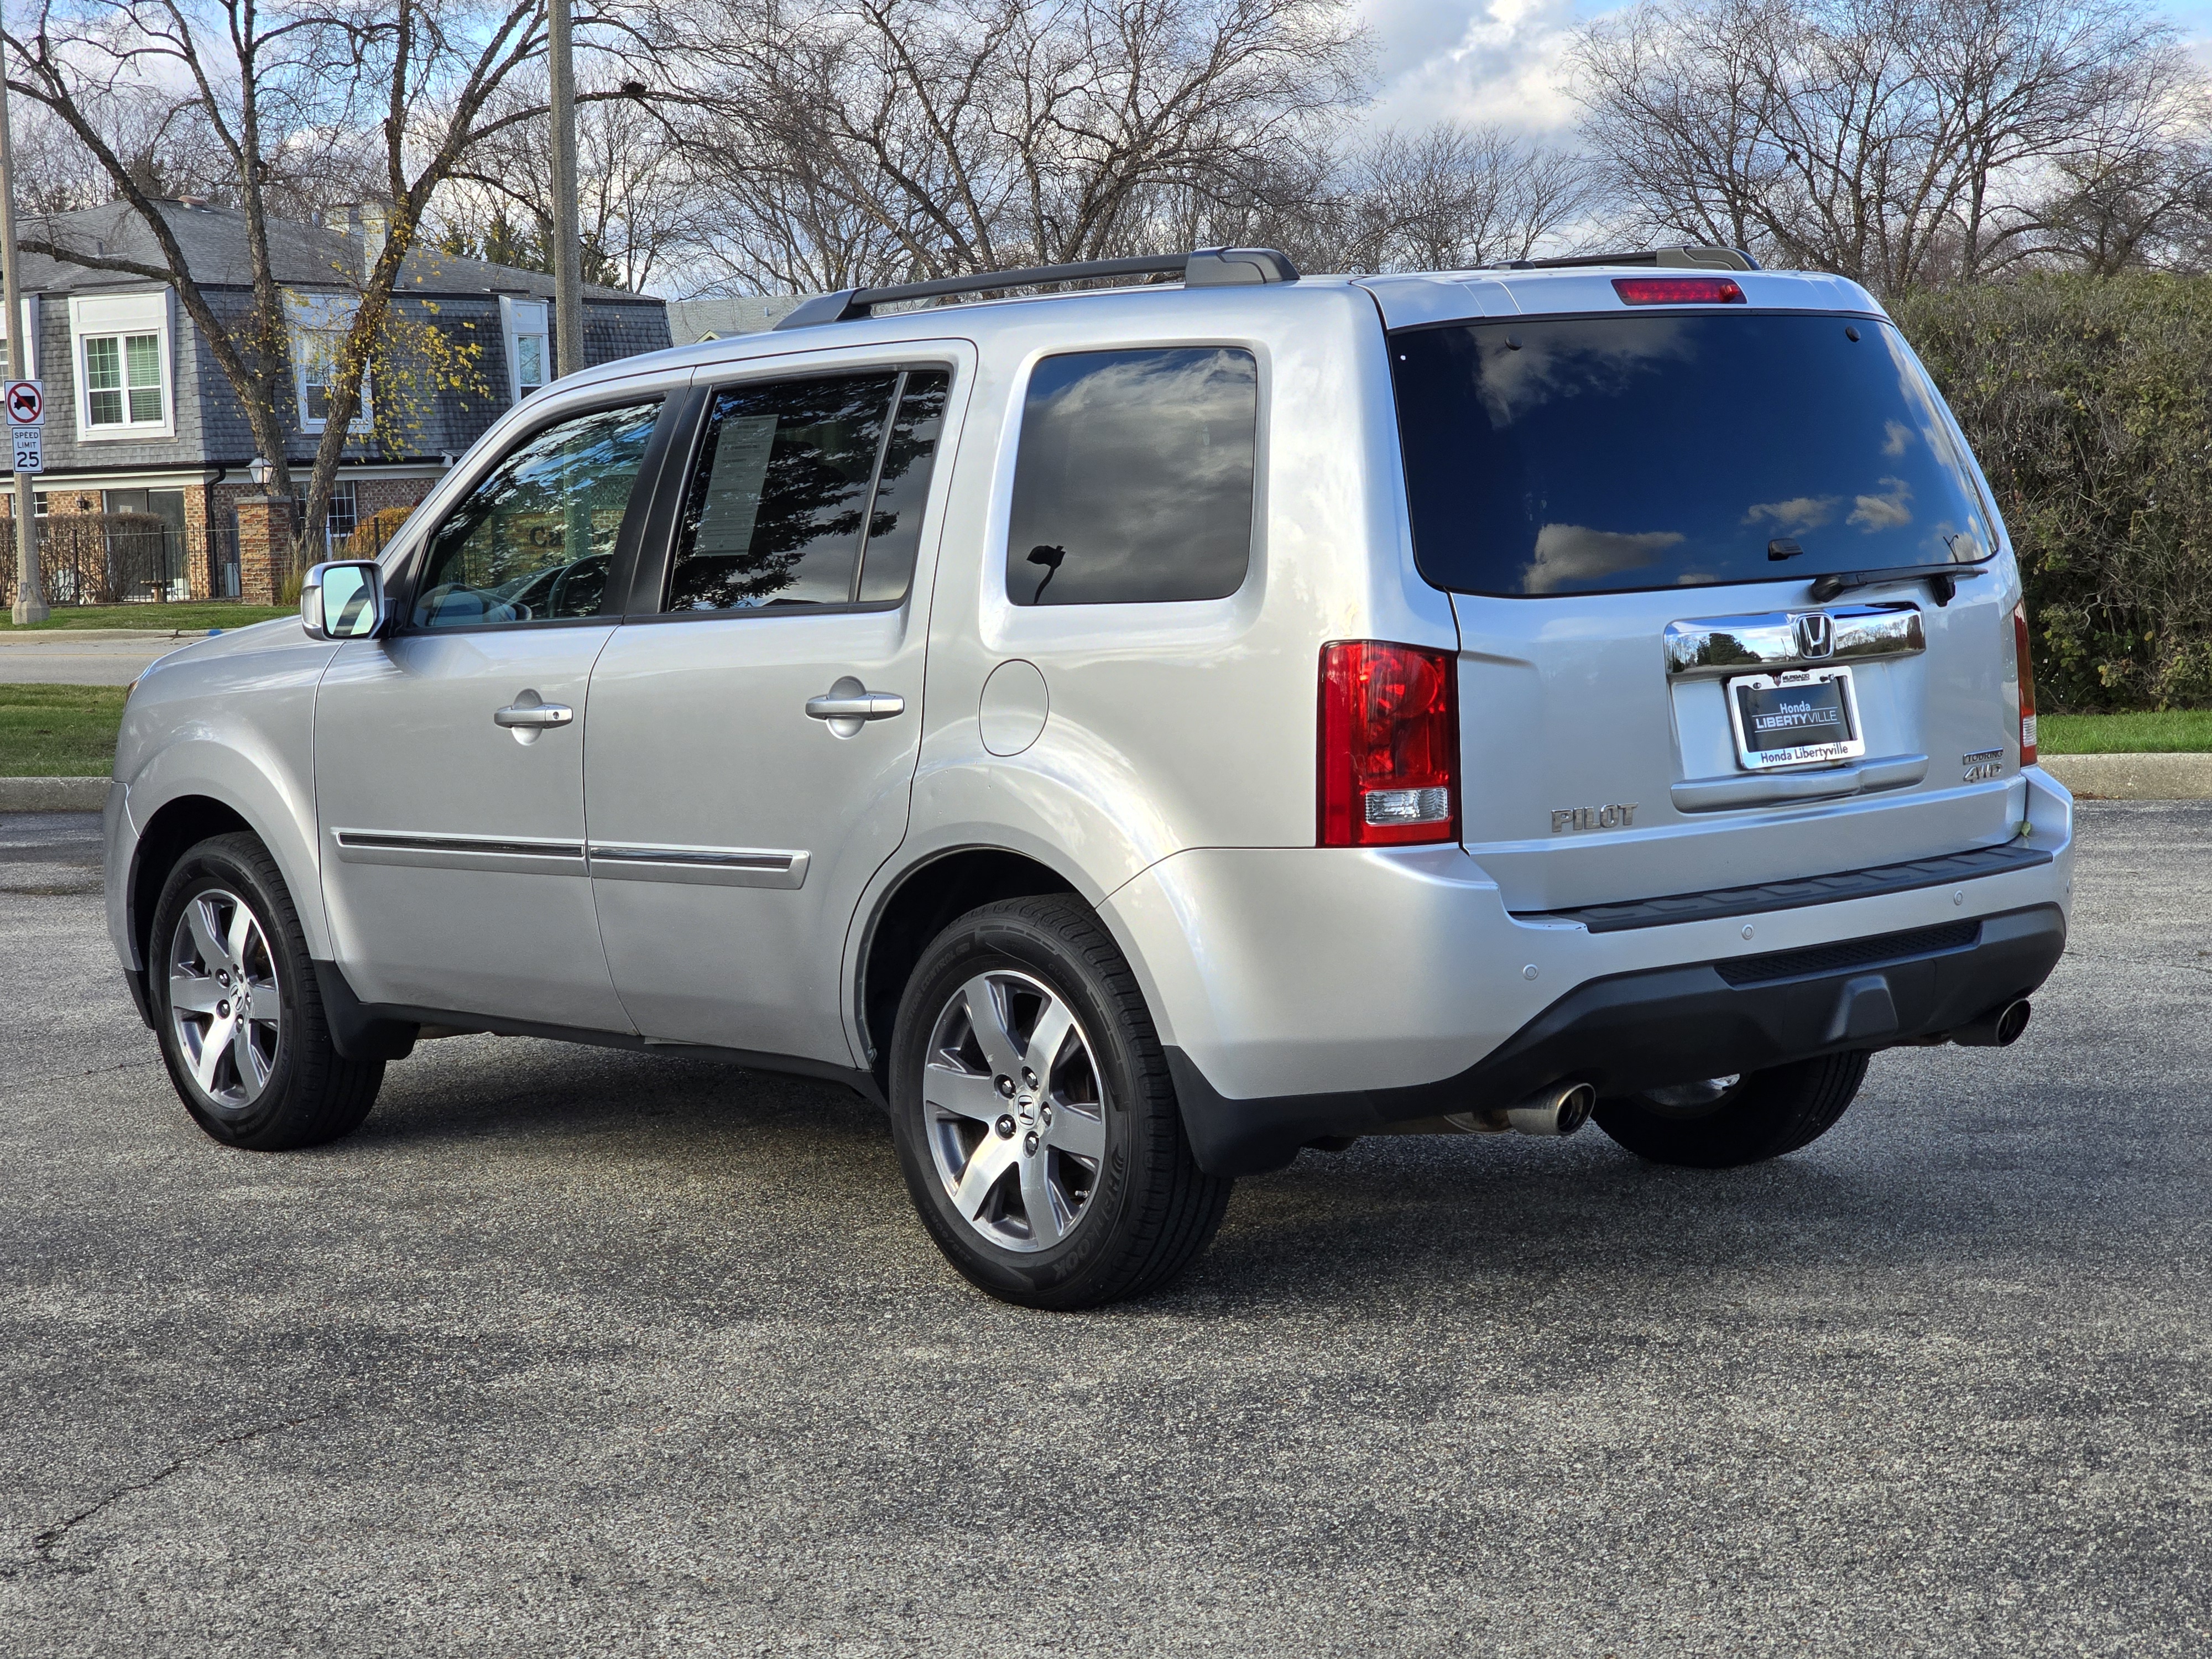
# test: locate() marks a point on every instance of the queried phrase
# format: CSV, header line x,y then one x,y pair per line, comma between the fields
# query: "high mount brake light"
x,y
2026,671
1389,744
1678,291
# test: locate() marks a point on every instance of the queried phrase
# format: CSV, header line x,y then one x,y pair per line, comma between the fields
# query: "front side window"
x,y
1134,478
534,540
1603,454
809,493
123,379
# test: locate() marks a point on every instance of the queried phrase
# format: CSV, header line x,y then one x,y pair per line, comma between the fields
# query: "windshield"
x,y
1602,454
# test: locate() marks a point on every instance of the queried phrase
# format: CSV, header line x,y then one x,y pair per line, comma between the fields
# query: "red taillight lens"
x,y
2027,683
1389,744
1678,290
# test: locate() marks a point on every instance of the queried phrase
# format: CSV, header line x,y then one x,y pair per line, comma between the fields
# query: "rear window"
x,y
1603,454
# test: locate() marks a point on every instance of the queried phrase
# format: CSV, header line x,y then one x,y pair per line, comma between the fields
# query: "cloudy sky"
x,y
1499,60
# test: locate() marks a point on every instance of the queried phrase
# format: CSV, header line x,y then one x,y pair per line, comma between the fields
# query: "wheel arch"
x,y
914,910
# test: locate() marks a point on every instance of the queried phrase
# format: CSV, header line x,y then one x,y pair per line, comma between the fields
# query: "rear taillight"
x,y
1389,744
1678,290
2027,671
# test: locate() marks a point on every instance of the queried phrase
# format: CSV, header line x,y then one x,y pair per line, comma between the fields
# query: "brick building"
x,y
141,419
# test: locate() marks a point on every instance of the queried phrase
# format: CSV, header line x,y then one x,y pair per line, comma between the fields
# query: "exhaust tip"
x,y
1559,1110
2000,1027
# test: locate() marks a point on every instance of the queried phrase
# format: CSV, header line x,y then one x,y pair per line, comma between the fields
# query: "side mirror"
x,y
343,600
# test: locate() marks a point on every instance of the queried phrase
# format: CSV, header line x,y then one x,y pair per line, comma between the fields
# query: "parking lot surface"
x,y
572,1352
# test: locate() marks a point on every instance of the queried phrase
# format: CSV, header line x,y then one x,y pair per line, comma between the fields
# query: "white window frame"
x,y
116,316
30,303
327,317
519,319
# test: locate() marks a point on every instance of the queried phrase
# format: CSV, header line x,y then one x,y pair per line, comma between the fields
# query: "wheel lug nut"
x,y
1044,1115
1006,1087
1029,1078
1029,1143
223,1011
1005,1126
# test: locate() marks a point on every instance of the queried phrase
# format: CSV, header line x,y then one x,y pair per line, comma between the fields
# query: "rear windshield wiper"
x,y
1942,580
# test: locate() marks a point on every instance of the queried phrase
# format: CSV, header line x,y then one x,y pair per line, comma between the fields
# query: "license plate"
x,y
1801,718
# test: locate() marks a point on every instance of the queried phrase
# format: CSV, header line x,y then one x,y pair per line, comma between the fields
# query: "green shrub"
x,y
2090,401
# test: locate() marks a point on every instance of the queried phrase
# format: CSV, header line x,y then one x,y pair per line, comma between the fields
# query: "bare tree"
x,y
636,204
1453,197
861,140
1893,143
388,96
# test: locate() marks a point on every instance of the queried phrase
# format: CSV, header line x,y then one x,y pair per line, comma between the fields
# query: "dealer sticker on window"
x,y
1805,718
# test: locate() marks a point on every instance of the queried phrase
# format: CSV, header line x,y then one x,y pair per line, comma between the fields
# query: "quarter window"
x,y
534,540
809,493
1133,481
123,379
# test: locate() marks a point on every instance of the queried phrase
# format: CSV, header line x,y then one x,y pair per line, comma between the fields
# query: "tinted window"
x,y
779,494
1133,481
895,520
1603,454
533,539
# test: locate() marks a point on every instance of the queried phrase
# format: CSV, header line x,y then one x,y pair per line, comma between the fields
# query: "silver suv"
x,y
1136,733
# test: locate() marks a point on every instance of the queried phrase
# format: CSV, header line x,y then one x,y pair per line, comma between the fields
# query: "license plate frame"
x,y
1766,754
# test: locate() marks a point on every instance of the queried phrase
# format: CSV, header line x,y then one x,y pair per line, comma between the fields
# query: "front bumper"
x,y
1669,1025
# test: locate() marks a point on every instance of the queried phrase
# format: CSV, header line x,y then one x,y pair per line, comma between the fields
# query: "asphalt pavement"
x,y
54,658
572,1352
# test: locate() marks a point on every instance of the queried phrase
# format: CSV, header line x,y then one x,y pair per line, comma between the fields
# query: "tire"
x,y
1760,1115
281,1085
1061,1185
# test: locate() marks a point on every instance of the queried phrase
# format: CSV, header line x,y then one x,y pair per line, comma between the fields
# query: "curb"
x,y
53,794
2134,777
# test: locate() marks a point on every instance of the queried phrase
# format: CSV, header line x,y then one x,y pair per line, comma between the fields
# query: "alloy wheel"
x,y
1014,1110
225,1008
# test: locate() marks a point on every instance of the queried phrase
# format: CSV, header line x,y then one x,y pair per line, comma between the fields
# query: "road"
x,y
58,658
571,1352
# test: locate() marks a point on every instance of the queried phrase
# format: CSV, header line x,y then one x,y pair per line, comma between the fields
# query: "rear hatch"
x,y
1633,510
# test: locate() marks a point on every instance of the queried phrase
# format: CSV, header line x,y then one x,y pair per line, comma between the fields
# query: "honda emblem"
x,y
1816,633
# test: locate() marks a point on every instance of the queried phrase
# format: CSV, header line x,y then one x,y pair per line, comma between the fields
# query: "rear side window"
x,y
809,493
1602,454
1133,481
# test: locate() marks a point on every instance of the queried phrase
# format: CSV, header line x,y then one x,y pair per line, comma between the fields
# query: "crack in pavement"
x,y
43,1544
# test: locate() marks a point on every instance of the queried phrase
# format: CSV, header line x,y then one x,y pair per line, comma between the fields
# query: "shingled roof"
x,y
304,256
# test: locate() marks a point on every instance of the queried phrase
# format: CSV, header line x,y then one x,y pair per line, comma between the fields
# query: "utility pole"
x,y
568,238
30,600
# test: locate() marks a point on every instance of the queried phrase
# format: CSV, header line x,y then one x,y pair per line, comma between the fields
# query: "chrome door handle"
x,y
534,715
841,705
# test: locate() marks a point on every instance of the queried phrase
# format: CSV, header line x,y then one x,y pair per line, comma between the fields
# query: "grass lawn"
x,y
189,618
58,731
2167,731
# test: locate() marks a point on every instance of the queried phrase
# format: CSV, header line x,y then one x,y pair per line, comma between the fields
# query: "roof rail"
x,y
1689,256
1205,267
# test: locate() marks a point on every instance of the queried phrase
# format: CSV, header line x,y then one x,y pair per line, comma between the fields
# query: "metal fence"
x,y
124,558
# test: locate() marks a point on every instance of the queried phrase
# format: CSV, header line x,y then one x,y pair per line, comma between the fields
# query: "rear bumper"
x,y
1295,988
1669,1025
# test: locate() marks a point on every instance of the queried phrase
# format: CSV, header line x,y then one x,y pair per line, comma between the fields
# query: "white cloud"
x,y
1501,61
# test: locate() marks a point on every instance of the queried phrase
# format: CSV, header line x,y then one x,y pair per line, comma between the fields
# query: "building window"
x,y
529,344
121,344
321,323
123,379
343,514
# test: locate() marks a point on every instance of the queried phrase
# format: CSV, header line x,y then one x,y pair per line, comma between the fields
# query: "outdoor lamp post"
x,y
258,470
